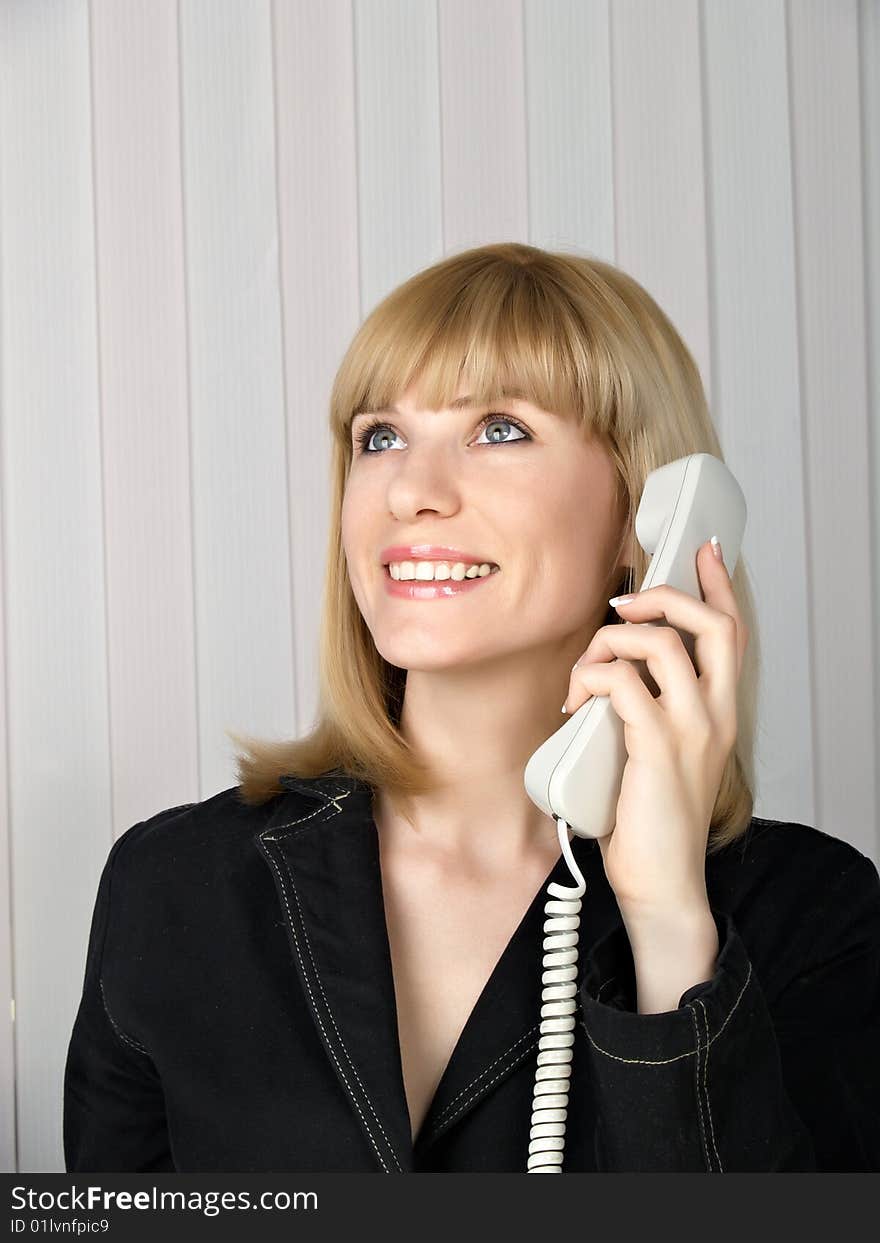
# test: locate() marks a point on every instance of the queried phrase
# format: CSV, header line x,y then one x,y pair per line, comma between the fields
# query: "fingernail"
x,y
716,547
563,707
615,600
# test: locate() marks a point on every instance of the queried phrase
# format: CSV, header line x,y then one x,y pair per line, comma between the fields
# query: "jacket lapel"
x,y
325,862
324,856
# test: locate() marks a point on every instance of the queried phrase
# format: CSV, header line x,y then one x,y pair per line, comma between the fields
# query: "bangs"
x,y
495,325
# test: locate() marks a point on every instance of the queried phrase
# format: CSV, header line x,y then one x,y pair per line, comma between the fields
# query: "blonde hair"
x,y
567,333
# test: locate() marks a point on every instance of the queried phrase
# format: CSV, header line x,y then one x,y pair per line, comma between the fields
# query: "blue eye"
x,y
365,434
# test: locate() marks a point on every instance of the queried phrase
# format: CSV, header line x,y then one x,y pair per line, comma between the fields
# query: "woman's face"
x,y
538,502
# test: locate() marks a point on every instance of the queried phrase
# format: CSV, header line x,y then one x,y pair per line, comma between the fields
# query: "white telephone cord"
x,y
558,1001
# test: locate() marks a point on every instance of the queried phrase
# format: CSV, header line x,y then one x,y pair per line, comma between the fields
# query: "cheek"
x,y
348,531
353,527
569,552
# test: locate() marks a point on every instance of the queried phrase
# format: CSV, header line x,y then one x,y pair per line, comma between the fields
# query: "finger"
x,y
620,681
668,662
710,690
717,588
720,637
690,614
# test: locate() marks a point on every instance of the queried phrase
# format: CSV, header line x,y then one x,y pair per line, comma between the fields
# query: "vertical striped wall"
x,y
200,200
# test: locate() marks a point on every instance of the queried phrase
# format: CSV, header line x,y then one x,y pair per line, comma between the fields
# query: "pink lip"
x,y
431,552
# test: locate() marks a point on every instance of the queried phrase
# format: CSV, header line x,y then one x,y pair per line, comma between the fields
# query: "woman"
x,y
335,965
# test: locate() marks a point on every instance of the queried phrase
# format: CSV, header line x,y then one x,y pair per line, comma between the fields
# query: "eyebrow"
x,y
458,404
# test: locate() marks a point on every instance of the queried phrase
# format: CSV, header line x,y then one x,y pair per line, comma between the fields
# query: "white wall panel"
x,y
570,152
400,188
869,81
200,199
318,230
482,93
236,385
829,244
142,358
54,598
756,392
659,175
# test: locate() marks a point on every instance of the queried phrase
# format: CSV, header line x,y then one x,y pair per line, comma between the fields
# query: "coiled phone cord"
x,y
555,1046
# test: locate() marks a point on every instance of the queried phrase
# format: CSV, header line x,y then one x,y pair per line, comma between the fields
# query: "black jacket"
x,y
238,1011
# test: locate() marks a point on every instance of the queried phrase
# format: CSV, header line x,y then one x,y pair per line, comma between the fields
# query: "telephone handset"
x,y
576,775
577,772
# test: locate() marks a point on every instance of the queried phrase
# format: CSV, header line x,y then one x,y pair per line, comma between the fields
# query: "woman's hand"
x,y
677,744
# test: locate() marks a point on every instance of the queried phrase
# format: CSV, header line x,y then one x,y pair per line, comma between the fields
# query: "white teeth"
x,y
437,571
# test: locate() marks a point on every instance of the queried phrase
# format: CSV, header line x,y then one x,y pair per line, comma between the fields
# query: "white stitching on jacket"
x,y
320,1021
333,1021
276,834
442,1116
664,1061
273,837
129,1040
482,1075
513,1060
703,1144
699,1002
